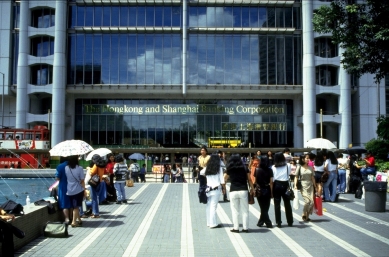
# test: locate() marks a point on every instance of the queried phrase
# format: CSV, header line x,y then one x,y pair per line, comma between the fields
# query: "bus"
x,y
224,142
24,139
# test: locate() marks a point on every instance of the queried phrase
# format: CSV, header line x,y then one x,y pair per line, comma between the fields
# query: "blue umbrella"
x,y
136,156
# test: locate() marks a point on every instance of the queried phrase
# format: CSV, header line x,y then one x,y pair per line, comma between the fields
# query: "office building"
x,y
181,74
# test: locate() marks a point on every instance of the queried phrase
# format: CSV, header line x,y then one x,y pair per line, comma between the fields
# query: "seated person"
x,y
6,233
369,169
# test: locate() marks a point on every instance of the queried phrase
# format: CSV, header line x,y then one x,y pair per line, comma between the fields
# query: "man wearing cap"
x,y
370,166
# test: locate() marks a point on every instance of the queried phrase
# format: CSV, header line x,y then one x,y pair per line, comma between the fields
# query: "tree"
x,y
362,30
383,127
380,146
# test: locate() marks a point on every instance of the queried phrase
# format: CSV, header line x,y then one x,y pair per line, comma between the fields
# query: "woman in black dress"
x,y
264,180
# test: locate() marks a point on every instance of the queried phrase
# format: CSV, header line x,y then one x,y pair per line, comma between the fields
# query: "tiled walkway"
x,y
167,220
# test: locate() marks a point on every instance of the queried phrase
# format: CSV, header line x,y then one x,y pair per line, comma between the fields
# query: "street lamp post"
x,y
2,102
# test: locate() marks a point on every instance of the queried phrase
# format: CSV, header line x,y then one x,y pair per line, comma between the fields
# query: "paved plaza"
x,y
168,220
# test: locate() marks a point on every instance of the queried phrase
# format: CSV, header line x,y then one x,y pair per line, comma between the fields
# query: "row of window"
x,y
180,129
171,16
212,59
175,138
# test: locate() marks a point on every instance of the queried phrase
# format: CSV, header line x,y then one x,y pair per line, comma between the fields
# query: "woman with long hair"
x,y
281,171
167,173
215,185
331,168
253,166
76,188
306,174
270,158
318,166
111,191
99,165
239,176
264,180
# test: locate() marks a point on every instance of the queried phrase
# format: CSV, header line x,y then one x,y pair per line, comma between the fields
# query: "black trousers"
x,y
7,239
142,177
279,189
264,205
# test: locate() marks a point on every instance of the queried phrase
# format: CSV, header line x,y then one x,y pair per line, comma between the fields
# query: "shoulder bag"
x,y
94,181
289,192
56,229
299,186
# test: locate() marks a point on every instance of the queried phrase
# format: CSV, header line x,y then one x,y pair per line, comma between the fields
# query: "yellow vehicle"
x,y
224,142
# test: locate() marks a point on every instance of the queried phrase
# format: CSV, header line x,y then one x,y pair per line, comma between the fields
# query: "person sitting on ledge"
x,y
6,233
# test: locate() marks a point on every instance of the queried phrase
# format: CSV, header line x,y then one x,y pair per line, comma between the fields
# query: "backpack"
x,y
50,206
12,207
135,167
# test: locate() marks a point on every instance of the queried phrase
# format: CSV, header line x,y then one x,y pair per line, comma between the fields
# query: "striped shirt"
x,y
120,171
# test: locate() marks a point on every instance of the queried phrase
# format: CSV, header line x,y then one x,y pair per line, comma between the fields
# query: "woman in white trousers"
x,y
239,176
215,186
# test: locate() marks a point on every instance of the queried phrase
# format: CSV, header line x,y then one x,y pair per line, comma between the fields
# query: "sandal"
x,y
95,216
75,225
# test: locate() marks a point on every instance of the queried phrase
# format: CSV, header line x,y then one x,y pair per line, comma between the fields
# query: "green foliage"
x,y
383,127
362,30
379,148
382,165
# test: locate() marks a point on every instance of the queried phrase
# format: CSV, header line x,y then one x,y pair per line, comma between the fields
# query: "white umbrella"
x,y
136,156
70,147
320,143
101,151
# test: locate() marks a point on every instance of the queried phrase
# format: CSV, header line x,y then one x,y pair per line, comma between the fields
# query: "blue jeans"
x,y
342,181
332,180
103,192
95,204
121,194
166,178
366,171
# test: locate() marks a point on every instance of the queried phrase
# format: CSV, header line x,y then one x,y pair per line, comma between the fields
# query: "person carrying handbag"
x,y
239,176
263,182
281,171
308,185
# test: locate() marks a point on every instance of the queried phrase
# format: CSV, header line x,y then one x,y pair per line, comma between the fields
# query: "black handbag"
x,y
56,230
289,192
298,185
251,198
94,181
50,207
324,177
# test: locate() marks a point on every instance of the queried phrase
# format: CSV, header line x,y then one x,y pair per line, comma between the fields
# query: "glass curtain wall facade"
x,y
143,45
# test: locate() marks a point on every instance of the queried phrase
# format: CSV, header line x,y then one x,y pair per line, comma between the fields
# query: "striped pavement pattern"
x,y
167,220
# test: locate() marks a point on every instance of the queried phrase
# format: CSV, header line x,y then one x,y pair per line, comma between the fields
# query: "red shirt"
x,y
109,167
371,161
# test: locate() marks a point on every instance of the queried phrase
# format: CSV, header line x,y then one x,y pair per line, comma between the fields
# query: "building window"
x,y
325,48
125,16
41,74
16,16
42,46
326,75
43,18
240,16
